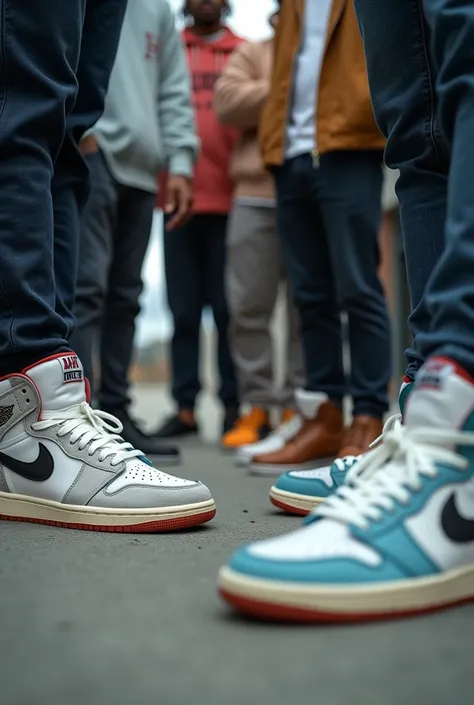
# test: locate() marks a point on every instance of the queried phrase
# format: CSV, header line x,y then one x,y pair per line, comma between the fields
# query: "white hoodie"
x,y
148,121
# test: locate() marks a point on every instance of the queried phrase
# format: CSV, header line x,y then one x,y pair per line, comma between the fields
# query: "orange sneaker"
x,y
287,415
249,428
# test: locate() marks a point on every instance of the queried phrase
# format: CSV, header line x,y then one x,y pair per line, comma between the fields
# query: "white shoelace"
x,y
393,471
88,427
347,461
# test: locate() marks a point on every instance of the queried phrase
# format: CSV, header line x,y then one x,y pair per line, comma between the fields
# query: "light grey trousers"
x,y
254,278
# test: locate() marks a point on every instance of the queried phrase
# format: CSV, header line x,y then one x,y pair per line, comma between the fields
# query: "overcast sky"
x,y
249,17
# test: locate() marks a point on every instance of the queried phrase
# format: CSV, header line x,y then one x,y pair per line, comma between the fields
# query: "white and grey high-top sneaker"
x,y
62,463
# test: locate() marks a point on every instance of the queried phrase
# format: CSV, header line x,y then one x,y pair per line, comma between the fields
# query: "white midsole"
x,y
242,460
243,457
298,501
390,597
274,469
20,506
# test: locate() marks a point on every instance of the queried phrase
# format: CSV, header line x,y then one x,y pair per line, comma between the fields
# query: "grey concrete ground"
x,y
90,619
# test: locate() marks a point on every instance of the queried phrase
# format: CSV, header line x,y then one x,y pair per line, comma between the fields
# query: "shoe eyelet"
x,y
24,391
27,401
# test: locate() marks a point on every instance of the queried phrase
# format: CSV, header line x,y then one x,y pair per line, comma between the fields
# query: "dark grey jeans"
x,y
115,233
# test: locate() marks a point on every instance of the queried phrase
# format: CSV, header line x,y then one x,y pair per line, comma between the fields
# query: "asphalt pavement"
x,y
90,618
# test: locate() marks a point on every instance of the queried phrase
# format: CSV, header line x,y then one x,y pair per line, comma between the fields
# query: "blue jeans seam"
x,y
432,109
4,78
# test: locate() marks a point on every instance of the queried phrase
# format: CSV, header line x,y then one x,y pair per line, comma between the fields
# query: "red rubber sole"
x,y
143,528
269,612
297,511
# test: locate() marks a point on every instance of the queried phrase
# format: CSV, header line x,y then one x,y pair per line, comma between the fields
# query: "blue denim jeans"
x,y
421,74
328,221
47,47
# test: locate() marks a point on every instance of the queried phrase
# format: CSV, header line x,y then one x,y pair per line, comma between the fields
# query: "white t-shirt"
x,y
301,131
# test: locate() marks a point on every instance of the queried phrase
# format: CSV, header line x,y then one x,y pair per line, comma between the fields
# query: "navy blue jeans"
x,y
421,74
328,221
47,47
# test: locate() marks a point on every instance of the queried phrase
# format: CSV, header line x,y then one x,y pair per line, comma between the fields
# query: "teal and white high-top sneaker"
x,y
300,491
396,539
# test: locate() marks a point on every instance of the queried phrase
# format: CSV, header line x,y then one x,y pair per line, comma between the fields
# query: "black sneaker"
x,y
231,417
175,427
131,433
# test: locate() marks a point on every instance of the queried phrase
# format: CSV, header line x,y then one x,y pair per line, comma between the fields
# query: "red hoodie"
x,y
213,187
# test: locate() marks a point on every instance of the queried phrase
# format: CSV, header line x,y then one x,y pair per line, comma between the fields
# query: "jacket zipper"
x,y
314,151
315,154
289,105
315,157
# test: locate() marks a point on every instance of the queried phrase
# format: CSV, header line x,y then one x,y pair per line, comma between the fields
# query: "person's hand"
x,y
88,145
179,201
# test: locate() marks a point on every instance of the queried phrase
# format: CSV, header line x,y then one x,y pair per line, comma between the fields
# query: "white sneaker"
x,y
300,491
272,443
62,463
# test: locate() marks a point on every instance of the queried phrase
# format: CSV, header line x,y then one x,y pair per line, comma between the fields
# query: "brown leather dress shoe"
x,y
317,442
363,431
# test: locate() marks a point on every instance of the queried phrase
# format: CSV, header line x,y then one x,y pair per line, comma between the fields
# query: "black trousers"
x,y
195,264
115,233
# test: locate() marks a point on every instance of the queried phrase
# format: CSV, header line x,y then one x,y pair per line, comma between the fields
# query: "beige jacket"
x,y
239,98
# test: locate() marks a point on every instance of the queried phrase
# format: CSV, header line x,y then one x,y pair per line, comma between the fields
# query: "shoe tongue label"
x,y
443,396
60,381
433,375
72,369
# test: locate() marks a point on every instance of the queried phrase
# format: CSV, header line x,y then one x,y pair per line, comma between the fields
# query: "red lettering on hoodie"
x,y
213,187
152,50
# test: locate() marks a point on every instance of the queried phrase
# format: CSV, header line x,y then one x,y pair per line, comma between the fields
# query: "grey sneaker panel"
x,y
89,481
3,483
18,402
149,497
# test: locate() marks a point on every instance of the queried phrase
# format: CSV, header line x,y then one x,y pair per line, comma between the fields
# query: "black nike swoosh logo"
x,y
456,527
39,470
